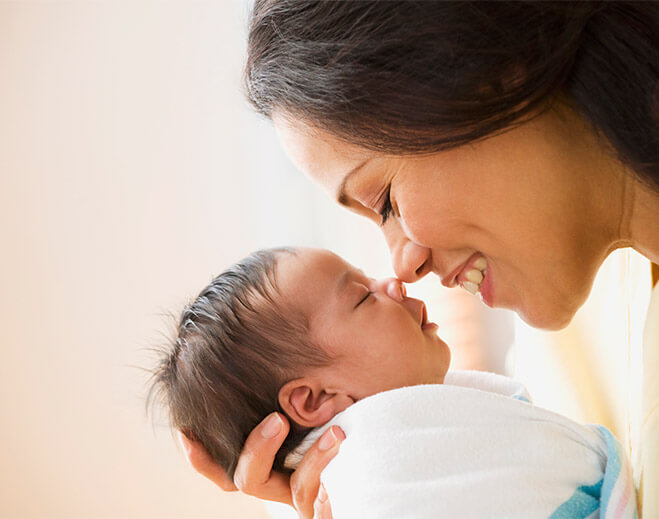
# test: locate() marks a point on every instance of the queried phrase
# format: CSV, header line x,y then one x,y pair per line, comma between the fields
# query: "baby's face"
x,y
379,341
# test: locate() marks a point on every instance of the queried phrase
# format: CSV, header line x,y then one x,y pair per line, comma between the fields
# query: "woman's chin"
x,y
546,318
546,310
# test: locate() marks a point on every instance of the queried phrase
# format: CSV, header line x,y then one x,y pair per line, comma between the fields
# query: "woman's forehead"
x,y
318,154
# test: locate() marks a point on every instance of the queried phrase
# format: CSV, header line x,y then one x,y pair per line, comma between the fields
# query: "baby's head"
x,y
298,331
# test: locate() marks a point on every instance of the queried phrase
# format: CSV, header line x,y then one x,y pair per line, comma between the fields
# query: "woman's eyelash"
x,y
387,209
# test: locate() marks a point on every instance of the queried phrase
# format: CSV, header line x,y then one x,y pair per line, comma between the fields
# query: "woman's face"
x,y
522,200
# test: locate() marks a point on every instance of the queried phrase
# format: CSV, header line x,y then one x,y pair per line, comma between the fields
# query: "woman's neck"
x,y
622,210
640,227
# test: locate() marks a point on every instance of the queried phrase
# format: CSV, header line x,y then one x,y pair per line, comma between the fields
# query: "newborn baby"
x,y
302,332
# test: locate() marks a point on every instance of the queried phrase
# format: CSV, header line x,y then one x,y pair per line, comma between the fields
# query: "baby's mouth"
x,y
473,274
425,323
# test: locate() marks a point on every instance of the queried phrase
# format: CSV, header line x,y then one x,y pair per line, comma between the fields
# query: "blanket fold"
x,y
453,451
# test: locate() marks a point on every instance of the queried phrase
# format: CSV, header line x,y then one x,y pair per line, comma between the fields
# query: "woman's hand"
x,y
254,475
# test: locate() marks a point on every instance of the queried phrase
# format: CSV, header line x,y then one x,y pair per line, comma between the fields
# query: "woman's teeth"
x,y
475,276
470,287
481,264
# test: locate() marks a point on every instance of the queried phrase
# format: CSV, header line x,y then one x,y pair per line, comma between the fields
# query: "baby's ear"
x,y
310,405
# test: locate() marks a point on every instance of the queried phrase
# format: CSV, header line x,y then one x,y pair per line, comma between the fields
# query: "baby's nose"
x,y
393,287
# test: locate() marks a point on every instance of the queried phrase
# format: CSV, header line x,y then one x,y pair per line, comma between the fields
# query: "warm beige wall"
x,y
114,117
131,170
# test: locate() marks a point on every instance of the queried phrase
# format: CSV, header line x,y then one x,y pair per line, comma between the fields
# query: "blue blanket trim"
x,y
613,465
613,468
584,501
588,499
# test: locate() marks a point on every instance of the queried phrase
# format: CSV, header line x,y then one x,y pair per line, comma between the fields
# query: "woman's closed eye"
x,y
387,208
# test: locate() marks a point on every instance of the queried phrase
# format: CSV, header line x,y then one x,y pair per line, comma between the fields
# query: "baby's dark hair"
x,y
236,344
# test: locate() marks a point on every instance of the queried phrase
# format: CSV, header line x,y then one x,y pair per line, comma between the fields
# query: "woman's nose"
x,y
410,260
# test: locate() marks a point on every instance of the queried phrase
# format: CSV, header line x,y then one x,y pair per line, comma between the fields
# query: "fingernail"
x,y
322,494
330,438
272,426
403,291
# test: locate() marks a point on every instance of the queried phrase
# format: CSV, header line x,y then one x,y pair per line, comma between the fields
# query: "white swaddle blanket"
x,y
472,448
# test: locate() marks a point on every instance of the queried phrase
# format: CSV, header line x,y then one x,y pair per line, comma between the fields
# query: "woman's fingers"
x,y
305,481
202,462
254,475
321,507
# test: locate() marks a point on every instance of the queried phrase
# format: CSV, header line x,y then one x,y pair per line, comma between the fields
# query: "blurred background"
x,y
131,172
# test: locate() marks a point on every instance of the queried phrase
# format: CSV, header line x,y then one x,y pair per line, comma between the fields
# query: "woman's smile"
x,y
468,275
455,212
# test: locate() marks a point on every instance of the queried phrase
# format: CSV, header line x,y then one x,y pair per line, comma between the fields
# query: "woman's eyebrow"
x,y
341,196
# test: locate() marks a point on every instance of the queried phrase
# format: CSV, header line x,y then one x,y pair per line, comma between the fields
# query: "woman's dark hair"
x,y
235,346
421,76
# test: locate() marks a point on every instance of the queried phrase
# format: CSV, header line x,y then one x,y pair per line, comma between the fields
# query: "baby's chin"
x,y
433,378
443,364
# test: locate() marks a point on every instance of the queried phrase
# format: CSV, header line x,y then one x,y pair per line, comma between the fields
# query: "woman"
x,y
521,133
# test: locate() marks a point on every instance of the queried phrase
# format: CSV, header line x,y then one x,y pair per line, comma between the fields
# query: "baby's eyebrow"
x,y
346,277
343,280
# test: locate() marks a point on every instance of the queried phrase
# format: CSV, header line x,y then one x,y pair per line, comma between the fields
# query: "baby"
x,y
298,331
302,332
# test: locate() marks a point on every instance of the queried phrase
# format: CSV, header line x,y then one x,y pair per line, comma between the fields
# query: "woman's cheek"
x,y
416,226
427,231
430,219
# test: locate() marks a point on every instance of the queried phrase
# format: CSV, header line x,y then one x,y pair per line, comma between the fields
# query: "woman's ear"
x,y
308,404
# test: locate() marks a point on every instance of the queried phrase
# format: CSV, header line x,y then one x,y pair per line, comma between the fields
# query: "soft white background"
x,y
131,172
